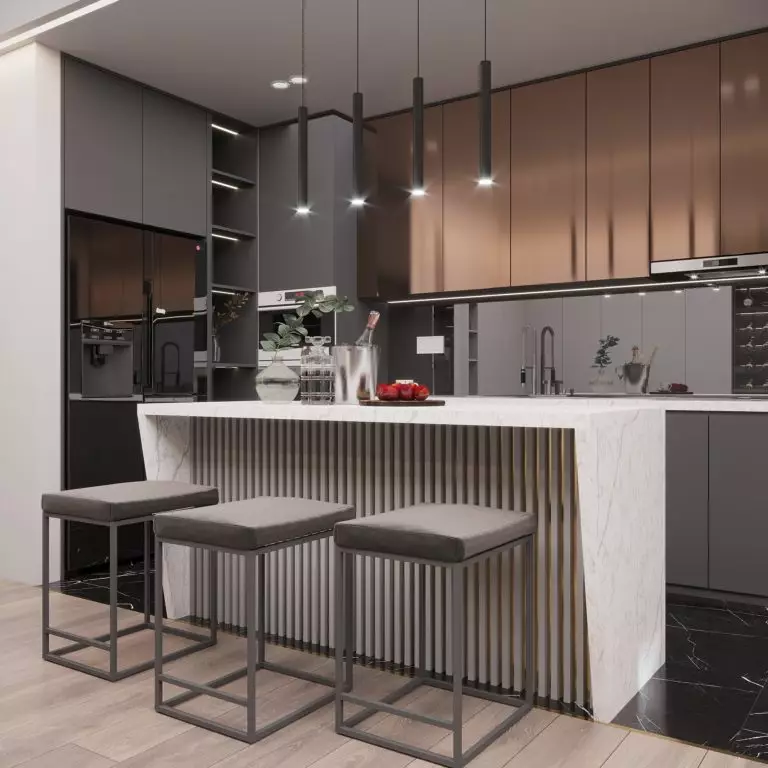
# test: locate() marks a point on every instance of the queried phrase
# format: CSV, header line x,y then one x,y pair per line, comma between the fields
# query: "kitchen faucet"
x,y
548,384
526,331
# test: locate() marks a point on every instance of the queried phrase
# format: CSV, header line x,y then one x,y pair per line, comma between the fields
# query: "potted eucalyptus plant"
x,y
602,381
277,382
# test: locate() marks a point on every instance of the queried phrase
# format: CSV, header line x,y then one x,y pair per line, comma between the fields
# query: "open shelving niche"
x,y
234,265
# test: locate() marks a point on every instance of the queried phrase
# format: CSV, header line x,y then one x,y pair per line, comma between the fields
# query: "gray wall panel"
x,y
708,340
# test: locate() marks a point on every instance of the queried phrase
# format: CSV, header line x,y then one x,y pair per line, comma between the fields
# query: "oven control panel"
x,y
291,297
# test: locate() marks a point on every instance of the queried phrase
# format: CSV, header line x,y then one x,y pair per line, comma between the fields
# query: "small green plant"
x,y
229,310
291,331
602,358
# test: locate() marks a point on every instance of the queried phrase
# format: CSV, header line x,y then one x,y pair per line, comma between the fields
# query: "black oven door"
x,y
270,319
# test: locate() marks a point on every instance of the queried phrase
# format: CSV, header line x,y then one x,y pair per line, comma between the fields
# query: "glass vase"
x,y
277,383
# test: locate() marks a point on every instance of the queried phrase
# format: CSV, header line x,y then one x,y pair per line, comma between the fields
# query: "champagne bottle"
x,y
366,337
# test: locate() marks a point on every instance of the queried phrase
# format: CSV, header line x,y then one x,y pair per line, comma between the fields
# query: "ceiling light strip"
x,y
224,184
224,129
624,288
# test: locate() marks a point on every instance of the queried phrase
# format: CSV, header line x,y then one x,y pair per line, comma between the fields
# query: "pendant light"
x,y
417,172
302,202
358,180
485,177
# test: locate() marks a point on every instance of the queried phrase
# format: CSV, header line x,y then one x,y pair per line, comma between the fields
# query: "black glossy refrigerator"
x,y
137,314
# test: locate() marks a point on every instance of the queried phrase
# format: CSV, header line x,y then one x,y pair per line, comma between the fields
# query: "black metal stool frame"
x,y
108,641
255,650
344,601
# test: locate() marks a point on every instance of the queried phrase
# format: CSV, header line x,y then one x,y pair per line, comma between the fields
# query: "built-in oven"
x,y
273,305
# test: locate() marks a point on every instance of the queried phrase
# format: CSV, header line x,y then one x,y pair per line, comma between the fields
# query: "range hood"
x,y
723,267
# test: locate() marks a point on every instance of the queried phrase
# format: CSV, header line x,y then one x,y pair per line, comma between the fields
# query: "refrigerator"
x,y
138,330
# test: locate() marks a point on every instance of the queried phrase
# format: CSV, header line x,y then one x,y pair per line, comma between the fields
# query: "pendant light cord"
x,y
303,69
357,75
485,30
418,38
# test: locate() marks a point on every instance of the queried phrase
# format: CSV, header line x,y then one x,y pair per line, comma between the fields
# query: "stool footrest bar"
x,y
204,690
390,698
393,710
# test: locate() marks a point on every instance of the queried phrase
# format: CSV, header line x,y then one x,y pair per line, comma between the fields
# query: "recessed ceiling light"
x,y
485,181
677,290
357,202
280,85
607,296
641,293
298,80
418,192
302,210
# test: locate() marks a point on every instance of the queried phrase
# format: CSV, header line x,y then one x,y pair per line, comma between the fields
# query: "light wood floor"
x,y
51,717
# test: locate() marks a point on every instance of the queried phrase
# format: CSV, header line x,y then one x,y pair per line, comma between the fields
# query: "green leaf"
x,y
292,320
317,313
271,336
283,329
302,330
348,308
303,310
268,346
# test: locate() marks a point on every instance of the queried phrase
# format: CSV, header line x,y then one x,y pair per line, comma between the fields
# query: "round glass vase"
x,y
277,383
603,382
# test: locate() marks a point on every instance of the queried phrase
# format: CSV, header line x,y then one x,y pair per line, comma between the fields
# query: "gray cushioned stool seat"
x,y
252,523
125,501
447,533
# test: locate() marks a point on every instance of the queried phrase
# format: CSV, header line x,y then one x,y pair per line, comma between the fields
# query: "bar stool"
x,y
251,528
450,536
113,506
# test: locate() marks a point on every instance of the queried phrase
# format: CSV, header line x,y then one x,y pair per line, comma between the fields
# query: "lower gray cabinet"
x,y
687,499
738,503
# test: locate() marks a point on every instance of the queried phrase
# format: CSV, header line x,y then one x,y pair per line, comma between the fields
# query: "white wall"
x,y
30,308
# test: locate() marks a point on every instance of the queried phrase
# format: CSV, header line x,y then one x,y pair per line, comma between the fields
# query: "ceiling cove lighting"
x,y
224,184
485,176
223,129
358,180
417,171
30,34
219,236
302,197
568,291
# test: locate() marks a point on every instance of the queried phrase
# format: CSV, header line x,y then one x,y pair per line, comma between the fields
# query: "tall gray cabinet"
x,y
133,154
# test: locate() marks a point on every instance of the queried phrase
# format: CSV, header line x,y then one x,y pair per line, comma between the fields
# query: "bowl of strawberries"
x,y
403,392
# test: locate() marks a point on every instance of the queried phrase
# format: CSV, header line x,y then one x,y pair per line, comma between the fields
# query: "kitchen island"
x,y
591,470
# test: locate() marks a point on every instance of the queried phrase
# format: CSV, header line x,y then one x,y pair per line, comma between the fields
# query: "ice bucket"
x,y
356,372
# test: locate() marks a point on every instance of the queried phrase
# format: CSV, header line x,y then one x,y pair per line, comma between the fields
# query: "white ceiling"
x,y
223,54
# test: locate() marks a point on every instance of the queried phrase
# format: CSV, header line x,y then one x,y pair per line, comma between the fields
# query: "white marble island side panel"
x,y
620,481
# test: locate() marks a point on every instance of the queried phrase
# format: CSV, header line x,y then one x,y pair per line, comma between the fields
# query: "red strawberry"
x,y
406,391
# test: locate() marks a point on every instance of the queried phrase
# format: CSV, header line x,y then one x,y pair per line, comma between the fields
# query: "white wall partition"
x,y
30,308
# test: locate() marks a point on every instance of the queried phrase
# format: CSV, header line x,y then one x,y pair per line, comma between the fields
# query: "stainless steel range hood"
x,y
724,267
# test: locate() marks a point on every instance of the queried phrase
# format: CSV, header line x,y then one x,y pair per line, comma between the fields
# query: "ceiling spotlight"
x,y
418,192
485,181
302,210
280,85
298,80
357,202
715,287
693,276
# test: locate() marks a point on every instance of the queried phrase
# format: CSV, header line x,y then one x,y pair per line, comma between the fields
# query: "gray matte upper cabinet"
x,y
687,499
175,165
738,510
102,143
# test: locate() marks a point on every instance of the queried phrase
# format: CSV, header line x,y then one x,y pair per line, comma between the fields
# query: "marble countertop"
x,y
563,412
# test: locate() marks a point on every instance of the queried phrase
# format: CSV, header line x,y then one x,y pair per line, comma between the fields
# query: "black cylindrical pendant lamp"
x,y
358,175
302,204
485,175
417,173
485,178
302,196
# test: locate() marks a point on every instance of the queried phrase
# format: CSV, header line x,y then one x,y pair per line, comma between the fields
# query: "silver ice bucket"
x,y
356,373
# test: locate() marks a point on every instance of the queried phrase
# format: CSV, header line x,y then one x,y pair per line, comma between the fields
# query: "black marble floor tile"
x,y
130,588
721,620
706,715
739,662
757,607
752,738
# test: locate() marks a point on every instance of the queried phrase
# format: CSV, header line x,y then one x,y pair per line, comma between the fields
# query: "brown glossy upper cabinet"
x,y
744,144
685,154
618,171
475,219
547,189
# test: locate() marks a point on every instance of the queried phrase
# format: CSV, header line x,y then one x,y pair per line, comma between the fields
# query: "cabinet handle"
x,y
691,230
610,244
574,267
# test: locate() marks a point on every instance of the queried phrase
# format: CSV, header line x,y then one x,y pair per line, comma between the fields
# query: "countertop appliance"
x,y
138,318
